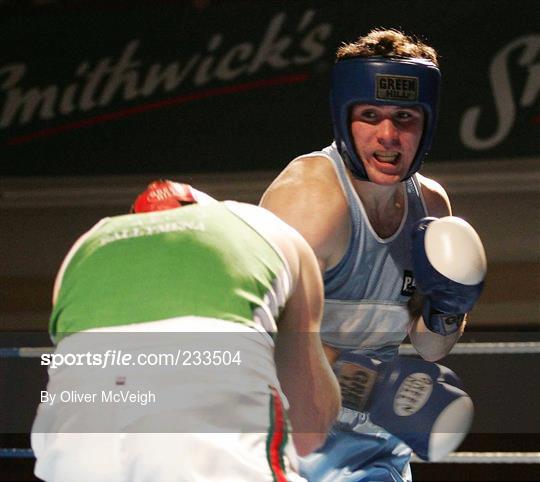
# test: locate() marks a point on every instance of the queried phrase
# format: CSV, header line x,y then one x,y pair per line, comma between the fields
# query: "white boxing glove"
x,y
449,265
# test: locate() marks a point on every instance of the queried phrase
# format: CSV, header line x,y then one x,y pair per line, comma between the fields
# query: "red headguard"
x,y
161,195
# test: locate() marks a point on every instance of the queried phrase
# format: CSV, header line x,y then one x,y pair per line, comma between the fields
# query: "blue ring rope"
x,y
16,453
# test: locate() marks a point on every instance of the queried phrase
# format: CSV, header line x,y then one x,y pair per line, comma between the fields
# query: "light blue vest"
x,y
366,293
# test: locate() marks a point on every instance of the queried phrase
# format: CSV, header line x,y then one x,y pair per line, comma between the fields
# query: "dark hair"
x,y
387,43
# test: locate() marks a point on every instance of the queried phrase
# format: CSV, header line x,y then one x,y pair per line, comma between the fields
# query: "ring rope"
x,y
25,352
454,458
406,349
498,348
16,453
487,458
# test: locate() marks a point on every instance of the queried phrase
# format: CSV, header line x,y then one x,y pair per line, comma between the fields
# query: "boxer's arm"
x,y
437,201
431,346
449,266
332,354
303,370
307,195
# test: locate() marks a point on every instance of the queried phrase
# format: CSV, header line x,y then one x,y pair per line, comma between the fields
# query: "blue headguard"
x,y
383,81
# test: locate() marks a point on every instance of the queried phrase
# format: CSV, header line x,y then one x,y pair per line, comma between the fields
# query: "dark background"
x,y
239,124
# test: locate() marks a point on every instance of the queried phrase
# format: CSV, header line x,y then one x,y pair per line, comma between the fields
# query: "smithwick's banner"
x,y
244,85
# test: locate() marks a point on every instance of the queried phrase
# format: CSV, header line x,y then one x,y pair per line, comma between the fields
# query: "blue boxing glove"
x,y
421,403
449,265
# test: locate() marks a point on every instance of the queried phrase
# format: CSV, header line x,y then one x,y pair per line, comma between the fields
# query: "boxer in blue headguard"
x,y
395,262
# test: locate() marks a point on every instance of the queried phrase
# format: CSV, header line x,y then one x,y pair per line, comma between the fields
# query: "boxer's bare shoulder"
x,y
308,196
436,198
